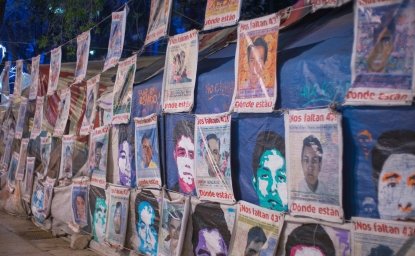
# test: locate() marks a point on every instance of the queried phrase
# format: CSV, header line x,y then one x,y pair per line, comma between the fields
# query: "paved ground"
x,y
20,237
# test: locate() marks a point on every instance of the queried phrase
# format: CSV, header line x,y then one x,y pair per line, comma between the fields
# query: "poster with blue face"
x,y
38,197
98,209
147,220
180,153
381,162
258,144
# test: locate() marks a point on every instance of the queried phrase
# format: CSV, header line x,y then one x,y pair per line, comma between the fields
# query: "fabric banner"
x,y
221,13
21,118
45,151
212,226
5,76
54,70
82,54
28,179
98,208
90,105
116,41
63,112
122,139
104,108
314,146
382,237
383,53
117,216
21,166
98,155
174,216
257,230
48,185
67,152
256,65
8,128
147,221
180,153
18,80
79,200
38,118
380,161
123,89
34,75
179,77
158,23
147,99
147,157
11,173
38,197
213,158
305,238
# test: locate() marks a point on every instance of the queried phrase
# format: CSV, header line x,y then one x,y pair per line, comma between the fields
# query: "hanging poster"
x,y
68,143
213,158
37,120
314,146
256,65
174,216
116,41
90,105
79,201
34,75
147,152
54,70
63,112
179,77
382,237
158,23
122,139
5,75
8,144
147,98
221,13
28,178
117,216
21,118
45,150
123,89
18,80
38,198
82,54
98,208
48,185
212,226
380,159
257,230
383,53
180,153
147,221
98,155
304,238
11,173
21,166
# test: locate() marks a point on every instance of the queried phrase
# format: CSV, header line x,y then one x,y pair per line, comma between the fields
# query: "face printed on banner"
x,y
100,219
124,164
212,157
271,181
365,142
211,243
255,242
117,218
146,229
67,162
311,157
184,155
257,56
147,151
98,153
379,55
89,107
174,225
80,208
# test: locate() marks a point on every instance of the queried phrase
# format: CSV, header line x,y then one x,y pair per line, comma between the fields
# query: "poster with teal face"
x,y
258,143
98,210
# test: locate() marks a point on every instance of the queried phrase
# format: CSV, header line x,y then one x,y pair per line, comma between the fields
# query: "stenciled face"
x,y
378,57
396,187
174,232
271,181
253,248
365,143
147,153
124,159
98,155
100,212
211,243
80,208
117,220
184,155
146,229
311,164
256,64
213,157
304,250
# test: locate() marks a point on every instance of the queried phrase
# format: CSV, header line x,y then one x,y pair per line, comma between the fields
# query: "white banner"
x,y
21,118
18,80
116,41
92,86
67,151
98,155
54,70
63,112
21,166
158,23
34,74
38,118
82,54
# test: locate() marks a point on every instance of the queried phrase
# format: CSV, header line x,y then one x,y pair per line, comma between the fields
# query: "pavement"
x,y
20,237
